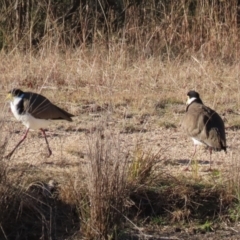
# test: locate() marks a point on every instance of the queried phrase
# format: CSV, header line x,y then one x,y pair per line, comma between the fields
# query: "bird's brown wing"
x,y
214,129
40,107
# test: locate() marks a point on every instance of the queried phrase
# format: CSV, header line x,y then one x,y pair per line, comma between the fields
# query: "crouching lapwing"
x,y
203,125
35,112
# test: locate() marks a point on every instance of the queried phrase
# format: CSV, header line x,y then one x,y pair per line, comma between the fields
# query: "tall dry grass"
x,y
144,28
106,185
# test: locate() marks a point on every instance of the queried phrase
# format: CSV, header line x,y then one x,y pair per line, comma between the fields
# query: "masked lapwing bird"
x,y
35,112
203,125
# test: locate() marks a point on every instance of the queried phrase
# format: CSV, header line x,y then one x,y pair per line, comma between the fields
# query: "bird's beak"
x,y
9,96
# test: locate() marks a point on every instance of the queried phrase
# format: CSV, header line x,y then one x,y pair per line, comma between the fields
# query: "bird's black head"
x,y
193,96
15,92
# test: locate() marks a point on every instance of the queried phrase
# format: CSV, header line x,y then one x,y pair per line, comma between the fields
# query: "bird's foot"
x,y
213,170
209,170
8,156
49,152
186,168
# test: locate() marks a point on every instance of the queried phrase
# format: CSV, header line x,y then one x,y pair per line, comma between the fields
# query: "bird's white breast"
x,y
196,142
27,119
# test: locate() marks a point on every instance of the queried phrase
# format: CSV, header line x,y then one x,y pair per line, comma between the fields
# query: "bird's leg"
x,y
49,150
210,150
195,148
23,138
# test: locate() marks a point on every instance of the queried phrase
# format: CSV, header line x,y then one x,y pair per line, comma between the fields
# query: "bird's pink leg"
x,y
210,150
44,134
19,143
195,148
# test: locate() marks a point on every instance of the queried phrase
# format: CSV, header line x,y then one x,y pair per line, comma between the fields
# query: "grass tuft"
x,y
105,184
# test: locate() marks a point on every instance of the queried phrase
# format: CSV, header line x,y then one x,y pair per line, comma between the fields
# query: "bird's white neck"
x,y
190,100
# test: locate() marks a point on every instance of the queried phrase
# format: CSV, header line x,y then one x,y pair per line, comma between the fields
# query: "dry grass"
x,y
106,184
118,166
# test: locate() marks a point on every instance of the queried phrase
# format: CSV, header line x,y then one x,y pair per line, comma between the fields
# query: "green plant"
x,y
207,226
158,220
142,165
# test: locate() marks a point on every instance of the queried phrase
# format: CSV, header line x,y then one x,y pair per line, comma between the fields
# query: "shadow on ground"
x,y
38,213
184,162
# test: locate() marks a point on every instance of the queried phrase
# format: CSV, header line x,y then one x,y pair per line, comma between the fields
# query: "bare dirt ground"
x,y
70,141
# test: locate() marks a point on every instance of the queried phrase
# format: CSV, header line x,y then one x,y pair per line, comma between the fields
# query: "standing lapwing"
x,y
203,125
34,111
